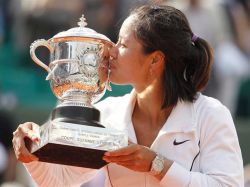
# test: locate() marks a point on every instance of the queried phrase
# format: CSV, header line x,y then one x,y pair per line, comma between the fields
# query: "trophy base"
x,y
71,155
76,145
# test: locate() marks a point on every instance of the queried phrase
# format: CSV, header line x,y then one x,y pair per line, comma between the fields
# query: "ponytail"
x,y
201,61
184,82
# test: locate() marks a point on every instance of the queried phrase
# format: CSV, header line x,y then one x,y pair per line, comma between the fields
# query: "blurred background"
x,y
26,96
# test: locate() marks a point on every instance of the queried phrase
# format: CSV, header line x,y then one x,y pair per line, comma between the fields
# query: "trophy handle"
x,y
34,45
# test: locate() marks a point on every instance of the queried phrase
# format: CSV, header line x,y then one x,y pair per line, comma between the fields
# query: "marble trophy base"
x,y
74,137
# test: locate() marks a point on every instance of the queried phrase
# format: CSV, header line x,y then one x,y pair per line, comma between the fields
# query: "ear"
x,y
157,62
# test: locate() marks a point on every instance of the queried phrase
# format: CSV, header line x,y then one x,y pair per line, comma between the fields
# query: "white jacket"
x,y
210,158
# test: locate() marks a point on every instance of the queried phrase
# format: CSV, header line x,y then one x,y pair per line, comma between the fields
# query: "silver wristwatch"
x,y
157,165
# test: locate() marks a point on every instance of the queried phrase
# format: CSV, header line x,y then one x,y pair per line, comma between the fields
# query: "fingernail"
x,y
107,153
35,138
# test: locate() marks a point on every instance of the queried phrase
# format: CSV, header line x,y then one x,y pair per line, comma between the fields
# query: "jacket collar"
x,y
181,119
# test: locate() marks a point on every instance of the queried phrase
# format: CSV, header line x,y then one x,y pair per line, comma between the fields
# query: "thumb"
x,y
32,135
36,131
130,142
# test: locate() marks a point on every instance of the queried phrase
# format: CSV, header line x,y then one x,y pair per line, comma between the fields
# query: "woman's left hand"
x,y
135,157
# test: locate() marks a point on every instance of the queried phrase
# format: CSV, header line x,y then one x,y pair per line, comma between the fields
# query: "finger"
x,y
27,157
132,165
123,158
123,151
29,125
126,164
21,151
23,131
18,133
130,142
31,135
36,129
29,130
24,151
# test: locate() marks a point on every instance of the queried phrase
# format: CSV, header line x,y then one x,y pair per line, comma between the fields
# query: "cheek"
x,y
122,74
127,68
122,55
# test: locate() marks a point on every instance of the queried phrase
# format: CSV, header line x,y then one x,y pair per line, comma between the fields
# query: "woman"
x,y
179,136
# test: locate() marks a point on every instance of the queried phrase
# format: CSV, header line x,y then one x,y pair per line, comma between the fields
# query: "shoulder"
x,y
213,118
210,107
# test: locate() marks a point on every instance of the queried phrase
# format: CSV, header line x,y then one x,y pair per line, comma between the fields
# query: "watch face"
x,y
157,165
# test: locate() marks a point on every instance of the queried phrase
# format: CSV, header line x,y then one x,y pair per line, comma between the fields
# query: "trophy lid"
x,y
81,31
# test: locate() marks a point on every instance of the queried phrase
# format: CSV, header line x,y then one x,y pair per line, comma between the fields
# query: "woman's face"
x,y
128,64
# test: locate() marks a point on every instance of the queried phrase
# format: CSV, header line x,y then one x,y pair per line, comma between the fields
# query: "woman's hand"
x,y
135,157
27,130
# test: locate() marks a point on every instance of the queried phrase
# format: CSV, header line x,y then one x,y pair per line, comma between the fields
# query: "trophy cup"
x,y
79,76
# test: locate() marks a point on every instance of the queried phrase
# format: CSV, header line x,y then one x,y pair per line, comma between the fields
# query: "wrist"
x,y
159,166
167,165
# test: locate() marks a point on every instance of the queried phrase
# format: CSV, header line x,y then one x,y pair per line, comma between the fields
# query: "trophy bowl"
x,y
78,73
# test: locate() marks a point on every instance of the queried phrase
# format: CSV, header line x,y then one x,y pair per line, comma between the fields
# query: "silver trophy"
x,y
79,75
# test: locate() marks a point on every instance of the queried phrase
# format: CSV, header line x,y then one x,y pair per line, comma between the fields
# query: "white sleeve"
x,y
55,175
220,159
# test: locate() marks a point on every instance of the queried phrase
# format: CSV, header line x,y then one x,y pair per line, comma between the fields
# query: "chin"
x,y
118,80
113,78
120,84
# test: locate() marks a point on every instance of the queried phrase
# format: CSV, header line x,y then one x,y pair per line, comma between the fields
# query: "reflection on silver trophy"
x,y
79,75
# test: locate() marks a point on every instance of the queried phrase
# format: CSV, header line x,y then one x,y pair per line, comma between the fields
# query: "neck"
x,y
149,105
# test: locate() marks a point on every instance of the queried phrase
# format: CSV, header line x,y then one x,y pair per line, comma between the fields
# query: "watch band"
x,y
157,165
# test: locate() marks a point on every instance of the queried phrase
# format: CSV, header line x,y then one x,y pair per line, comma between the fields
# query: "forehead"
x,y
126,30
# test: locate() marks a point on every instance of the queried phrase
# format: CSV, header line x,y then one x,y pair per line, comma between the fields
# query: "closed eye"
x,y
120,44
123,45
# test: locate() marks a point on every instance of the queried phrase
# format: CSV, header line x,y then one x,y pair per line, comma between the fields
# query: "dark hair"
x,y
188,63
